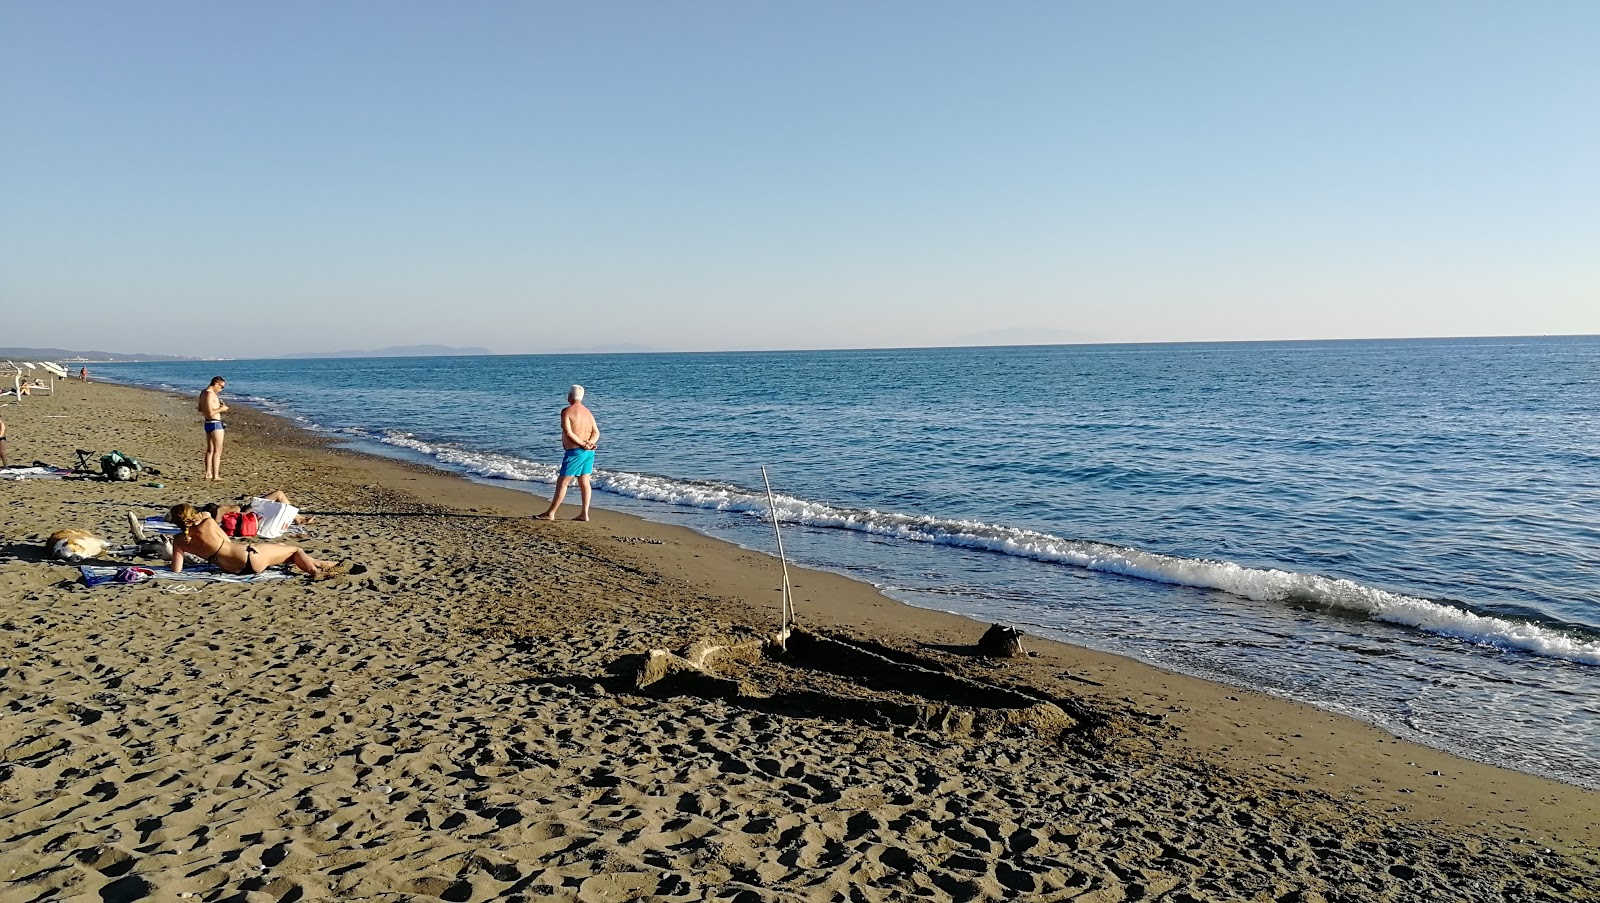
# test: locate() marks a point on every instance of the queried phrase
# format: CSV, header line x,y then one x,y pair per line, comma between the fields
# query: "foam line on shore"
x,y
1259,584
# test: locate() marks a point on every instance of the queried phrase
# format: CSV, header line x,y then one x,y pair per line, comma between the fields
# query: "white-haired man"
x,y
579,436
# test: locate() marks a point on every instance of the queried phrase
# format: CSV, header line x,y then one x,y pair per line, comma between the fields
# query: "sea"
x,y
1405,532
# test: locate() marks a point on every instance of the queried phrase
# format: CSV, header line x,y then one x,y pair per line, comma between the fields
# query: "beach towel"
x,y
95,575
32,473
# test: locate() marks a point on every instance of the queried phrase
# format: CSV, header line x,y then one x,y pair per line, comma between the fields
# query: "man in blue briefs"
x,y
211,410
579,436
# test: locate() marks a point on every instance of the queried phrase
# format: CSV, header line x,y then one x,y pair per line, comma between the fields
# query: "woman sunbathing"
x,y
203,537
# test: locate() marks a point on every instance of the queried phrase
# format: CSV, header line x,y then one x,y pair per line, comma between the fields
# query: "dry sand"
x,y
461,722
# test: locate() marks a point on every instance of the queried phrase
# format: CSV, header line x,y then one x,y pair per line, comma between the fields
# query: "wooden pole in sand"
x,y
788,603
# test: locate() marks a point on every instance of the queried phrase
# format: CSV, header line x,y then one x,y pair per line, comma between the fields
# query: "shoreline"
x,y
420,454
656,583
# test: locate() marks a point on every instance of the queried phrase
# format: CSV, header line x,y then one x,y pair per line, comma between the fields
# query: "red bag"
x,y
240,523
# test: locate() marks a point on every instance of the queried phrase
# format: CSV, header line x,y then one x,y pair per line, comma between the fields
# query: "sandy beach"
x,y
462,721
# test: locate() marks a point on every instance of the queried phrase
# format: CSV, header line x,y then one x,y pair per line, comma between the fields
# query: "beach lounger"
x,y
36,385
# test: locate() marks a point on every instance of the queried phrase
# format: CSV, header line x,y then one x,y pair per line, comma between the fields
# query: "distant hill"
x,y
398,351
58,355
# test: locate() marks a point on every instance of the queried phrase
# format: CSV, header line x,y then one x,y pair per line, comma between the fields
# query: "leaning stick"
x,y
788,602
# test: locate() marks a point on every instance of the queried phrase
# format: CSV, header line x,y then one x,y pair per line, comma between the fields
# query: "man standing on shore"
x,y
579,436
211,410
83,374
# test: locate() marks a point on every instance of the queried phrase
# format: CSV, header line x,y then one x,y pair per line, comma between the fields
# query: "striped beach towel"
x,y
95,575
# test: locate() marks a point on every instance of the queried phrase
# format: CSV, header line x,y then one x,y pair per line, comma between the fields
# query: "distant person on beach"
x,y
579,436
3,462
203,537
83,374
211,410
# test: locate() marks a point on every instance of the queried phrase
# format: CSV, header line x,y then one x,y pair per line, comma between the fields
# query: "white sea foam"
x,y
1261,584
484,464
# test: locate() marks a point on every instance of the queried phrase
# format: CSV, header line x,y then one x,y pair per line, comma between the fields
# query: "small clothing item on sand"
x,y
94,575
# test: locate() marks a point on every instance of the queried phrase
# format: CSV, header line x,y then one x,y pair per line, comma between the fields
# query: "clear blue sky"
x,y
253,179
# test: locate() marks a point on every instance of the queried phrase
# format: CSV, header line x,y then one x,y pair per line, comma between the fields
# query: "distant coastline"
x,y
63,355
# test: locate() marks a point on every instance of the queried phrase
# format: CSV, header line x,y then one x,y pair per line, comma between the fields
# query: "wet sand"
x,y
462,722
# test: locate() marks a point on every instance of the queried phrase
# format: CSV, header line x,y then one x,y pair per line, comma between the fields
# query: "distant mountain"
x,y
59,355
399,351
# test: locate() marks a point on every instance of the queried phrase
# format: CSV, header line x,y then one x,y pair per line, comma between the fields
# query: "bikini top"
x,y
212,558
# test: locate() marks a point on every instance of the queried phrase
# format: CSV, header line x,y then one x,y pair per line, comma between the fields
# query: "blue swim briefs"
x,y
214,425
577,462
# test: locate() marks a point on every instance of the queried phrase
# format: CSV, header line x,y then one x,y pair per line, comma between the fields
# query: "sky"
x,y
253,179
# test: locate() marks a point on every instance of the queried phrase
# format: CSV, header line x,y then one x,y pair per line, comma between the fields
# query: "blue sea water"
x,y
1402,531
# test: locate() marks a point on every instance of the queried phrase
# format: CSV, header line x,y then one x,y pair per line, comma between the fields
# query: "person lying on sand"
x,y
217,509
203,537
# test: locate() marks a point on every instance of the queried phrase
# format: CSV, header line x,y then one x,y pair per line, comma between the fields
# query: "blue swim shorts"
x,y
213,426
577,462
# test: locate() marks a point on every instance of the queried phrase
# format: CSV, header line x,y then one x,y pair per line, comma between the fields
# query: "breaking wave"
x,y
1261,584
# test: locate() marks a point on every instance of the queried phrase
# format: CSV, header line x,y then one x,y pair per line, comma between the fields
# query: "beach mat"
x,y
33,473
158,524
95,575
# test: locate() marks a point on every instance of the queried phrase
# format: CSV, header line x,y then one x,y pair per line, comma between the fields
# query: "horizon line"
x,y
831,349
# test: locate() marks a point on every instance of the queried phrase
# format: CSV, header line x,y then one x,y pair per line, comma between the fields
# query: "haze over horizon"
x,y
186,178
